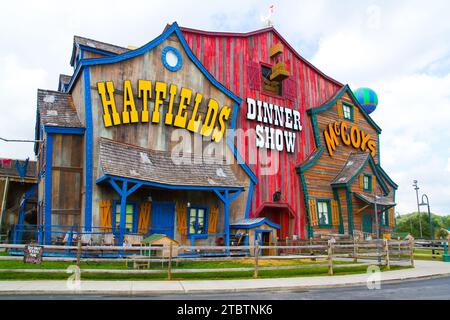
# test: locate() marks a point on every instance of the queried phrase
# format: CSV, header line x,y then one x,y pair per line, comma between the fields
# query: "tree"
x,y
410,223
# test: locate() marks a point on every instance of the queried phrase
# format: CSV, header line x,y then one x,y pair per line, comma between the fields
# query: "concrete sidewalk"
x,y
423,270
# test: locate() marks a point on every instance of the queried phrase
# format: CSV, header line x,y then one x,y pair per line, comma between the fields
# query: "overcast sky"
x,y
401,49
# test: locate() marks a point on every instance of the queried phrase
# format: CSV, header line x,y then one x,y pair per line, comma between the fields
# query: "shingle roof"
x,y
129,161
353,165
10,170
371,200
99,45
57,109
252,223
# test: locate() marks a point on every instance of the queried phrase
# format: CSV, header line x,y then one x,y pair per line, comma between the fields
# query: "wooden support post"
x,y
330,257
169,264
355,250
5,195
386,254
255,274
78,248
411,253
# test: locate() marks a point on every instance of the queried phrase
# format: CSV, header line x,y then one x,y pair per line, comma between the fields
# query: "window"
x,y
324,213
367,183
269,86
130,216
384,219
197,220
347,110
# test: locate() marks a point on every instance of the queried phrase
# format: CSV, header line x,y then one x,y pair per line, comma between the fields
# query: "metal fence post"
x,y
386,254
411,249
355,250
255,274
169,264
330,257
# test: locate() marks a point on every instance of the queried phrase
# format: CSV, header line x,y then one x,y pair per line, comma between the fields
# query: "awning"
x,y
381,201
354,164
160,169
252,223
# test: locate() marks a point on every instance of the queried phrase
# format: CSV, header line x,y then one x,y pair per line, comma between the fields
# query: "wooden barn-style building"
x,y
206,138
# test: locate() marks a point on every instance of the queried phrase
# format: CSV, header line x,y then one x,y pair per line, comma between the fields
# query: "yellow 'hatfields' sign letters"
x,y
213,124
350,136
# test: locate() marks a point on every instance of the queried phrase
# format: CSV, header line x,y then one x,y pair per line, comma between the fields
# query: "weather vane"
x,y
268,18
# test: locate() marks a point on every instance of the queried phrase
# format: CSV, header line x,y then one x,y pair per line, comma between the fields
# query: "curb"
x,y
216,290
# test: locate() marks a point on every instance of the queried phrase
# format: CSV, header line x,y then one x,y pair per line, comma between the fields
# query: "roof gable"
x,y
257,32
337,96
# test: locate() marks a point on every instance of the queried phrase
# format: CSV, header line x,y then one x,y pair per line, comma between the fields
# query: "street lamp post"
x,y
423,203
418,206
378,229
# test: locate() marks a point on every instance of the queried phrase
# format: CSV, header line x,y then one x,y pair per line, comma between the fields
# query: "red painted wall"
x,y
227,57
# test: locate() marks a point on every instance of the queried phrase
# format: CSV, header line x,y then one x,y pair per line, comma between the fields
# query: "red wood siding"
x,y
227,57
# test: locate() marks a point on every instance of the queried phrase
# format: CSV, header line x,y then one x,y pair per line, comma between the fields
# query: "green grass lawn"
x,y
18,264
307,272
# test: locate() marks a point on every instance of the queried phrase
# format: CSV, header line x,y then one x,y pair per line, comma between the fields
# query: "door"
x,y
163,218
367,223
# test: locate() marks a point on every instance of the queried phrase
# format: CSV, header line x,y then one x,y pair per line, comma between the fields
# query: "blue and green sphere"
x,y
367,98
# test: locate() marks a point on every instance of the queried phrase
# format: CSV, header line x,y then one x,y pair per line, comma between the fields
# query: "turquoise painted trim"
x,y
88,151
316,132
310,229
349,195
380,205
386,177
48,188
333,101
305,166
369,182
330,216
374,169
378,149
341,218
352,111
64,130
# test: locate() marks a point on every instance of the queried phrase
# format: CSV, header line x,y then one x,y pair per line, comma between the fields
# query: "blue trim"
x,y
48,188
135,215
176,53
249,199
166,186
134,53
94,50
88,151
230,142
256,224
204,233
64,130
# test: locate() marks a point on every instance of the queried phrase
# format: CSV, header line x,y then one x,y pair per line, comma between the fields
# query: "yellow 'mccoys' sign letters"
x,y
354,137
213,125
